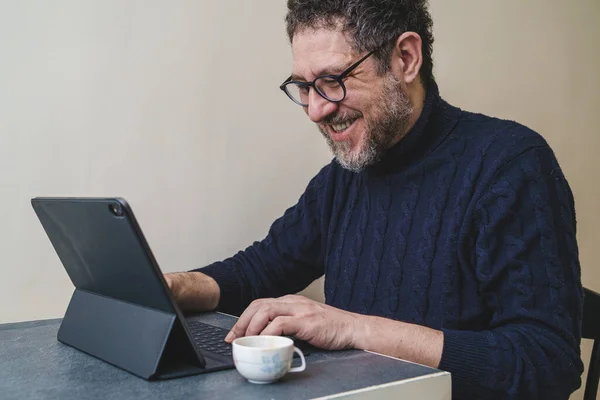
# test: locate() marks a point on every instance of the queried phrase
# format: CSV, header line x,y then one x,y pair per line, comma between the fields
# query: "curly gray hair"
x,y
370,24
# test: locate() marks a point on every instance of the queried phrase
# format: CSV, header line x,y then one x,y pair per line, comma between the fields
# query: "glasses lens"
x,y
298,93
330,88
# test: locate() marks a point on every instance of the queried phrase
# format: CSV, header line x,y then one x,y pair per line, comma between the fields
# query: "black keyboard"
x,y
210,338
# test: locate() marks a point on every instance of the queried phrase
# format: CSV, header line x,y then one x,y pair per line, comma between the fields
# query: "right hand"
x,y
194,291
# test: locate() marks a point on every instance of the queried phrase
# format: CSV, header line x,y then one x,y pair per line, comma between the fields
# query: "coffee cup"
x,y
265,359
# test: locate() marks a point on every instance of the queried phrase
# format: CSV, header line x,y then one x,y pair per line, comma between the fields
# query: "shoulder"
x,y
497,140
491,151
493,145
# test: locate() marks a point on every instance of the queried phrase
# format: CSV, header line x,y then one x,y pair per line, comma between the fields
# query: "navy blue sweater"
x,y
467,226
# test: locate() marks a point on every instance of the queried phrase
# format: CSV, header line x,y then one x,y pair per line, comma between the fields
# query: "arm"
x,y
330,328
286,261
194,291
521,243
416,343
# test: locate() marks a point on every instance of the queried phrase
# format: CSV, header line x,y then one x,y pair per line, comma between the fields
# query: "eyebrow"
x,y
324,71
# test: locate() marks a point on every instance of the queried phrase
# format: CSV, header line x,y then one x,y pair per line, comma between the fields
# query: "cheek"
x,y
357,103
351,101
366,98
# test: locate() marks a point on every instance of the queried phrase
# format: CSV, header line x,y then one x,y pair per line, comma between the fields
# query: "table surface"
x,y
33,364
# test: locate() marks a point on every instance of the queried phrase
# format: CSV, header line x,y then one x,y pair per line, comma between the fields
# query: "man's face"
x,y
375,112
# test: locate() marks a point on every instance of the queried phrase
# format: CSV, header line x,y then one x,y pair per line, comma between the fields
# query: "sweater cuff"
x,y
229,286
466,356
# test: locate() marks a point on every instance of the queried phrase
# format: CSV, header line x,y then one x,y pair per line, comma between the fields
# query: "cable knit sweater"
x,y
467,225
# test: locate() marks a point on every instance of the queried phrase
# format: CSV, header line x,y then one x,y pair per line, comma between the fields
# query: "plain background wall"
x,y
175,106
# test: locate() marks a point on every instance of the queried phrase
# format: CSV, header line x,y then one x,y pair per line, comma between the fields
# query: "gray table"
x,y
33,364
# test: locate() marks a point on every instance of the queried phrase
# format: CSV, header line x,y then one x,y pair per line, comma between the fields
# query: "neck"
x,y
416,93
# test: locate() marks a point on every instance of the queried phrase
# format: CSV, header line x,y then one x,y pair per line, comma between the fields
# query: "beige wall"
x,y
175,106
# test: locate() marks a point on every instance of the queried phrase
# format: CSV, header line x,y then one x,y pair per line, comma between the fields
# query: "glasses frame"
x,y
339,78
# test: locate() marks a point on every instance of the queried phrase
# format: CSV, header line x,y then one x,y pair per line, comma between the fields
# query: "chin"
x,y
355,160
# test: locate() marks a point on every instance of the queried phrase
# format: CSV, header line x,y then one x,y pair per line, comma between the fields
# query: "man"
x,y
446,238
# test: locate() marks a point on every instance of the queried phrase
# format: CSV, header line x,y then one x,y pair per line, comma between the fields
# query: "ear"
x,y
407,56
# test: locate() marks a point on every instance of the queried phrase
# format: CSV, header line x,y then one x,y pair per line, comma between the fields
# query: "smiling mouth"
x,y
338,128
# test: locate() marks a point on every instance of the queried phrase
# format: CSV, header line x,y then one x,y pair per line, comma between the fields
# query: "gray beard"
x,y
395,111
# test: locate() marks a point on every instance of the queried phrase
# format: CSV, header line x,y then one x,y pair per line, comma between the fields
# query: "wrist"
x,y
360,331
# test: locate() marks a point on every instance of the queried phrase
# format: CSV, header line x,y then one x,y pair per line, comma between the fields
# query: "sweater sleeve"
x,y
522,247
286,261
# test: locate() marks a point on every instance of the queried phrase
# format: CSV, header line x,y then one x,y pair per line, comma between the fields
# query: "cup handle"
x,y
303,366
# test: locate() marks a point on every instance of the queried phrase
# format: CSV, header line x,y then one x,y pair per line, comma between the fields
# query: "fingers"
x,y
262,318
256,323
240,326
283,326
258,315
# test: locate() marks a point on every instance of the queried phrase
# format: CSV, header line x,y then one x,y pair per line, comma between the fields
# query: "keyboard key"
x,y
210,338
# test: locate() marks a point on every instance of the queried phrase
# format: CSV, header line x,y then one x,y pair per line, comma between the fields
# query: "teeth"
x,y
343,126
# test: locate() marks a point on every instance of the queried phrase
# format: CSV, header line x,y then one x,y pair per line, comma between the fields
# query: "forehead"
x,y
320,51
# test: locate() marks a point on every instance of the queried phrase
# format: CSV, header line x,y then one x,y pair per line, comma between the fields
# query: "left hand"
x,y
321,325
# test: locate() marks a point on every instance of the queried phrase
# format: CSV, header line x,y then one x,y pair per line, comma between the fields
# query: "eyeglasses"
x,y
330,87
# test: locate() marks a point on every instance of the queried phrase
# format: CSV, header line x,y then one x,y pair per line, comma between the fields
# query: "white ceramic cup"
x,y
265,359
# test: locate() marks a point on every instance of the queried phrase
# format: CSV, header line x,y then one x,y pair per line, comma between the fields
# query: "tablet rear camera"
x,y
116,209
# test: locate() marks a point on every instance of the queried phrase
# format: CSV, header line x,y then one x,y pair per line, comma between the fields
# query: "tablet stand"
x,y
146,342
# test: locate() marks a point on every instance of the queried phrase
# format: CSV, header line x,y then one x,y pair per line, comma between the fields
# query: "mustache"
x,y
339,118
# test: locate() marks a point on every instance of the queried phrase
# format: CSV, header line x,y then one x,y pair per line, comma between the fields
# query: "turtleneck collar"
x,y
436,120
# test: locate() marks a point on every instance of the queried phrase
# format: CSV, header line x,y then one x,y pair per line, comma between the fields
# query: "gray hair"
x,y
370,24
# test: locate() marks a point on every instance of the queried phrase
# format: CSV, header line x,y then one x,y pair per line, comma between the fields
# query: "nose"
x,y
319,107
